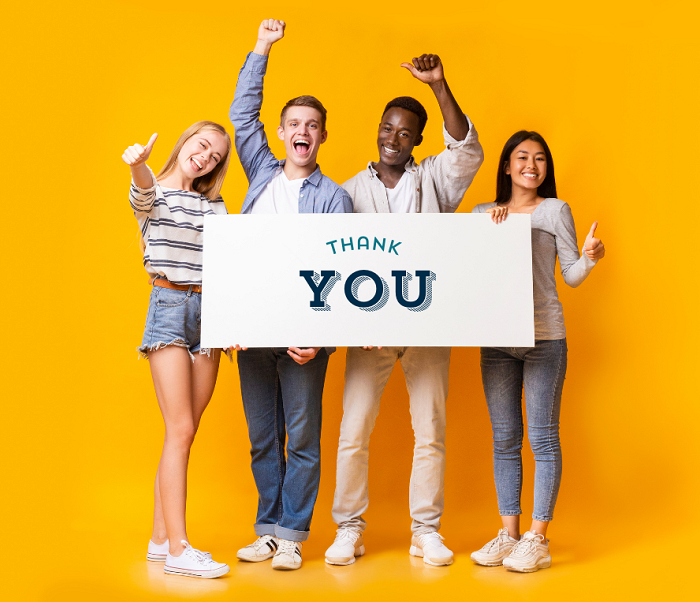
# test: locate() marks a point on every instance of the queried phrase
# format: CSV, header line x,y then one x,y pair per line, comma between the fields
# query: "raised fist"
x,y
137,154
426,68
271,31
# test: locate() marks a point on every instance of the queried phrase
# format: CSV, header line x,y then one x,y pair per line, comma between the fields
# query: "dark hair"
x,y
410,104
504,184
306,101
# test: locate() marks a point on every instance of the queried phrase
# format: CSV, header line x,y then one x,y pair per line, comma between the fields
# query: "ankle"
x,y
176,548
159,539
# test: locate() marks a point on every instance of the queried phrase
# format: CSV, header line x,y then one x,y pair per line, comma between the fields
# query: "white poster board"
x,y
316,280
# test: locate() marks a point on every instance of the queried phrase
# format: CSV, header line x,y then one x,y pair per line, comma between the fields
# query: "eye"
x,y
215,159
403,135
543,159
202,144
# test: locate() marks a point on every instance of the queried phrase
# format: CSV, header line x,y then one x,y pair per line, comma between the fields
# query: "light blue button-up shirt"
x,y
319,194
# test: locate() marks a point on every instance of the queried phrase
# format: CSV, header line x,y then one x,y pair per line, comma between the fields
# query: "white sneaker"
x,y
288,556
262,548
157,552
194,563
429,546
347,545
529,554
493,553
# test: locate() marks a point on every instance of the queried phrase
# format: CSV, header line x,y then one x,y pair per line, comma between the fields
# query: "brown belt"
x,y
162,282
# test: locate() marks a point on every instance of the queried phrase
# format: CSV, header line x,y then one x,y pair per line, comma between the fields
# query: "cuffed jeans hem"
x,y
544,519
511,513
290,534
264,529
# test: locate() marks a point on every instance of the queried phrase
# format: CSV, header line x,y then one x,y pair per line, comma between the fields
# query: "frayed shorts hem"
x,y
144,350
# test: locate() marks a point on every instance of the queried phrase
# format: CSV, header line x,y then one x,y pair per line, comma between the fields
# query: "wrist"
x,y
439,86
262,47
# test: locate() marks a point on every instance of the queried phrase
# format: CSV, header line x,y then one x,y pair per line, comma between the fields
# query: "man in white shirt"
x,y
397,184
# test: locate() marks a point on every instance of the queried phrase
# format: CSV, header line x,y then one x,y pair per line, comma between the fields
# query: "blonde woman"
x,y
170,210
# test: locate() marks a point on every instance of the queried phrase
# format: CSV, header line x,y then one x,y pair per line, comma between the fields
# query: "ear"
x,y
324,136
280,132
419,139
507,168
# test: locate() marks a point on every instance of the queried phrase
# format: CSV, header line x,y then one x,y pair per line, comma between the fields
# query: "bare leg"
x,y
539,527
171,369
512,524
204,373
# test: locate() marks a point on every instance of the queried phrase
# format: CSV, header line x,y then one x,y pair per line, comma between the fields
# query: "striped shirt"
x,y
172,223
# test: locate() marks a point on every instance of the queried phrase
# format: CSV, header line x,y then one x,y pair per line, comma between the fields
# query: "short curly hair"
x,y
410,104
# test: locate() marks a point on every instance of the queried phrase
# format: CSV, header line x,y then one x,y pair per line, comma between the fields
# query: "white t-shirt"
x,y
401,198
279,196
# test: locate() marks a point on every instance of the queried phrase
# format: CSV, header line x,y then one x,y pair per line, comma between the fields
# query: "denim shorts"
x,y
174,318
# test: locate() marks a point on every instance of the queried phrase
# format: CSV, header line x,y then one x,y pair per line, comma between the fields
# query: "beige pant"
x,y
366,373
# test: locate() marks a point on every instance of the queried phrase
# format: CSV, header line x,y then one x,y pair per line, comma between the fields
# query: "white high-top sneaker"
x,y
193,563
348,544
530,554
429,546
493,553
262,548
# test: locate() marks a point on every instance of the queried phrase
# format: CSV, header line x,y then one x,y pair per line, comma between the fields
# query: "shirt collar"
x,y
410,166
314,178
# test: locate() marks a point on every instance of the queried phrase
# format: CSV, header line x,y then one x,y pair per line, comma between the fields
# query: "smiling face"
x,y
201,153
398,134
527,166
302,134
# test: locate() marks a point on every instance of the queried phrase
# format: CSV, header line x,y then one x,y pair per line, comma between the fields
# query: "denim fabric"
x,y
319,194
280,395
541,369
174,318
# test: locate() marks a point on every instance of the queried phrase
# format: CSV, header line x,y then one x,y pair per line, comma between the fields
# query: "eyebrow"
x,y
401,128
527,153
209,143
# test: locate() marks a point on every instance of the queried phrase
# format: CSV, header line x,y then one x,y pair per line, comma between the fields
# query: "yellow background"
x,y
613,88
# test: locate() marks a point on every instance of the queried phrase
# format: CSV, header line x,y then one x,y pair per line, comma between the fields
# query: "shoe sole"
x,y
415,551
545,563
359,552
255,559
192,573
156,557
485,563
286,568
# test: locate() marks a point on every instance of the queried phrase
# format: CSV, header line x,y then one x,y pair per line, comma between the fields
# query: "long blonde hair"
x,y
209,184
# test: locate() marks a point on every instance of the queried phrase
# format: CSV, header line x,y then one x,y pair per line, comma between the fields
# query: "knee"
x,y
544,442
507,442
181,435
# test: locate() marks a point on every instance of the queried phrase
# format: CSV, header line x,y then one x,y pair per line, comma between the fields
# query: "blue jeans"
x,y
541,369
280,395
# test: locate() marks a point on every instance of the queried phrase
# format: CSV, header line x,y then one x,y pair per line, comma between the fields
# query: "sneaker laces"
x,y
524,546
350,534
287,547
194,553
496,541
425,538
260,542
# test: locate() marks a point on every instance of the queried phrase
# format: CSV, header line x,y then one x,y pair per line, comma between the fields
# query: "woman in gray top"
x,y
525,184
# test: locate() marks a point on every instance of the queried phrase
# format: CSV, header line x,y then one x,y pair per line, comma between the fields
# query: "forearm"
x,y
142,176
262,47
455,120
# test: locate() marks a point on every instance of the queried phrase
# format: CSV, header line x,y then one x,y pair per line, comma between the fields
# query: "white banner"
x,y
367,279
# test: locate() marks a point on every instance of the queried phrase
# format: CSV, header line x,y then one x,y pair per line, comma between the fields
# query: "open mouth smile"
x,y
196,165
301,147
390,152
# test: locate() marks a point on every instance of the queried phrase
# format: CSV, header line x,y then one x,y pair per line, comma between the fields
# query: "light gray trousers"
x,y
426,370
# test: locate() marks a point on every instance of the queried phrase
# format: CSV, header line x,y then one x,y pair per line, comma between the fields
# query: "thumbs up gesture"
x,y
426,68
137,155
594,247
